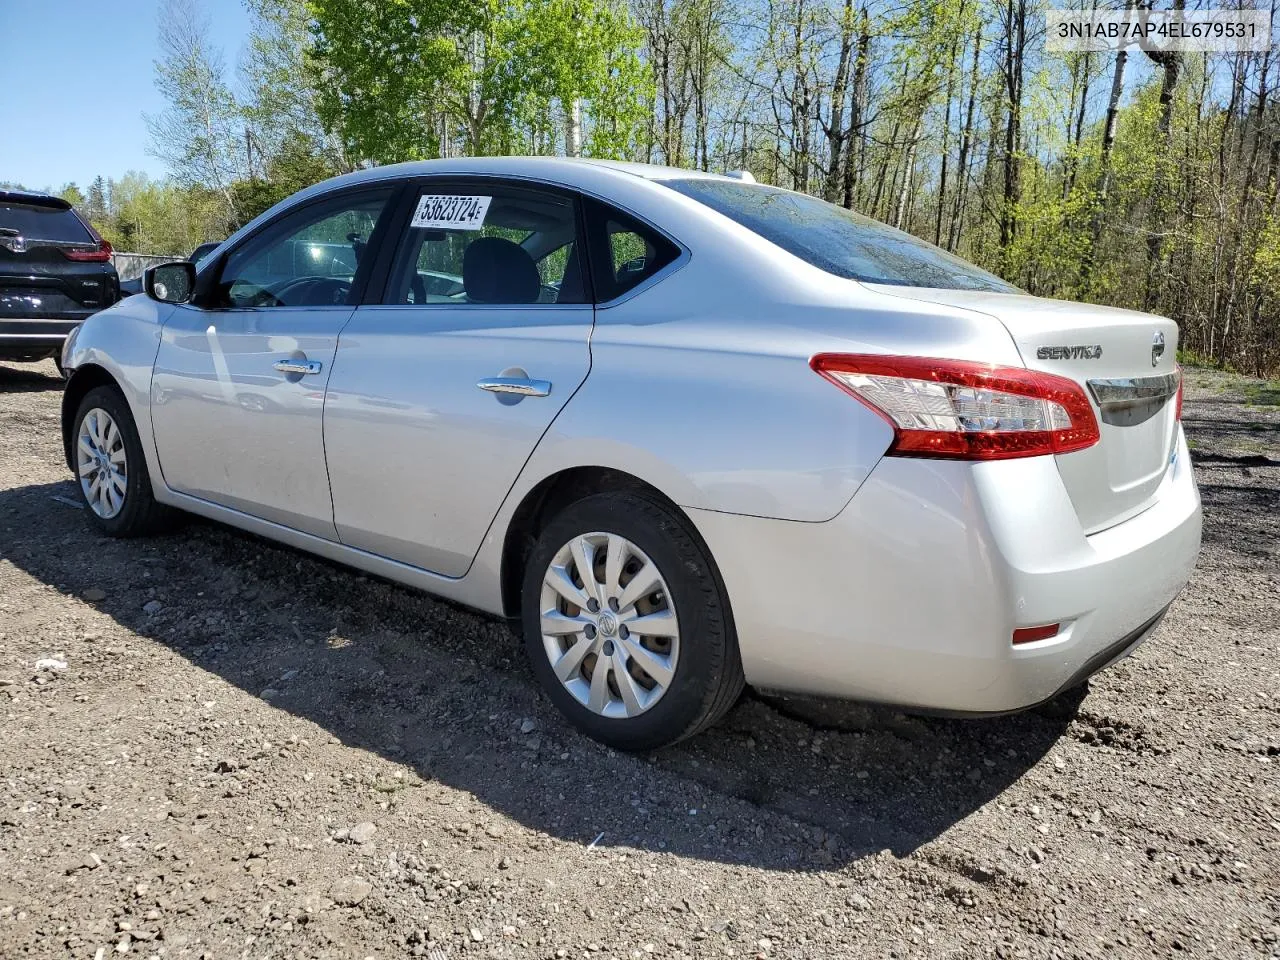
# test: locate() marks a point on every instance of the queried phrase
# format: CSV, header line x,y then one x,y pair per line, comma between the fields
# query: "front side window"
x,y
837,240
489,244
308,259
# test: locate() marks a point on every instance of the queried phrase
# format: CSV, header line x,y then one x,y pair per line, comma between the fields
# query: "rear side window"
x,y
39,222
626,251
488,243
837,240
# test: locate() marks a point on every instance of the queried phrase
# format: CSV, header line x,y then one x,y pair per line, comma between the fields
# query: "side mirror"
x,y
170,282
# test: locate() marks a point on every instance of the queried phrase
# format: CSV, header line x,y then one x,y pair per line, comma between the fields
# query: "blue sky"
x,y
76,77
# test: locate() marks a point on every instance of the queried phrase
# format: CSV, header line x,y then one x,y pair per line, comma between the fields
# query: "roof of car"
x,y
568,171
33,199
559,168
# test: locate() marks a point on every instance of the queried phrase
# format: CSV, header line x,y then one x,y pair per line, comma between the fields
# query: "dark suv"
x,y
54,271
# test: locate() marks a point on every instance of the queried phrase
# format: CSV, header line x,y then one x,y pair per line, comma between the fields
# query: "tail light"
x,y
961,410
99,254
1177,409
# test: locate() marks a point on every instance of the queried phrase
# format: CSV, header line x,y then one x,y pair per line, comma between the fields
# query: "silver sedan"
x,y
684,431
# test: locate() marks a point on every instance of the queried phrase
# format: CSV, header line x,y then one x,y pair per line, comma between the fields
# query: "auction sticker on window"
x,y
450,212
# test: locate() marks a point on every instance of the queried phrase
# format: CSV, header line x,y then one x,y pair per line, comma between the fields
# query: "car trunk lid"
x,y
1124,360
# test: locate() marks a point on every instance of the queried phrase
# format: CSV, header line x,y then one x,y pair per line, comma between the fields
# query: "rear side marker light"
x,y
1177,410
1032,634
961,410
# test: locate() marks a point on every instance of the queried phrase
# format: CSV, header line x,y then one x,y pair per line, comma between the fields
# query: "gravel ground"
x,y
252,753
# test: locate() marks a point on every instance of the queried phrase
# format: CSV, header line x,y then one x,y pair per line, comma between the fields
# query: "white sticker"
x,y
450,212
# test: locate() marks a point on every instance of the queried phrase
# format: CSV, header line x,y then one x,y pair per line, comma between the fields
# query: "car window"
x,y
309,258
33,221
837,240
635,256
489,244
625,251
202,251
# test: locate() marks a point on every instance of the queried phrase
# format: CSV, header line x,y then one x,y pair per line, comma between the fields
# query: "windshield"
x,y
837,240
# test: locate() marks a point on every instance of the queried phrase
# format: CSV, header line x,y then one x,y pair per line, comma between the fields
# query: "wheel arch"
x,y
85,378
556,491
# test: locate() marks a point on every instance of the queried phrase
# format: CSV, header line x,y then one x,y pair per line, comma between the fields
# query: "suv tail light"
x,y
99,254
960,410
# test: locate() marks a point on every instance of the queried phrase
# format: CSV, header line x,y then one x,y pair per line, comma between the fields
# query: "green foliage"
x,y
71,193
404,80
144,216
944,116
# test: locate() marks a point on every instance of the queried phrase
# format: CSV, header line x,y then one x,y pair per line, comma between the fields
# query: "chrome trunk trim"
x,y
1125,401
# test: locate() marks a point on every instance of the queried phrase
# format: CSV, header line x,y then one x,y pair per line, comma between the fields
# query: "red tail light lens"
x,y
961,410
99,254
1177,409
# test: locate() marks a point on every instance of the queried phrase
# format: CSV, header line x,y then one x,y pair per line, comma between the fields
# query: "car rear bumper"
x,y
911,595
30,338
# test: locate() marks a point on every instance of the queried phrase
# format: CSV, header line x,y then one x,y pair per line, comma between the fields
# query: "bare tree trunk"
x,y
836,130
573,128
853,168
1104,164
966,145
946,140
1170,62
1015,50
908,171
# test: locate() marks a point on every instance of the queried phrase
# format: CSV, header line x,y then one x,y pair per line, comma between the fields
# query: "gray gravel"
x,y
252,753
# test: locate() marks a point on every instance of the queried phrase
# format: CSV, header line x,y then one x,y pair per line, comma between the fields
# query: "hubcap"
x,y
101,463
609,627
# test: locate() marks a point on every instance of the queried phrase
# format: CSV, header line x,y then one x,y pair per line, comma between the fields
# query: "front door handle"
x,y
298,366
522,386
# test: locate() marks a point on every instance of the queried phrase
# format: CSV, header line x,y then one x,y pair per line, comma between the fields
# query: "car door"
x,y
442,390
239,380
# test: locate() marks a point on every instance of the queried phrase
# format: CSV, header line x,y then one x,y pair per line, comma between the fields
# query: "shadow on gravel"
x,y
782,785
29,377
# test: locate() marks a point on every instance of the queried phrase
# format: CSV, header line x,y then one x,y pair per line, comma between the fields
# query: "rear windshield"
x,y
36,222
837,240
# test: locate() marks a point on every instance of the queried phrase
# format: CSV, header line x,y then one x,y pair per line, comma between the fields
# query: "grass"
x,y
1264,394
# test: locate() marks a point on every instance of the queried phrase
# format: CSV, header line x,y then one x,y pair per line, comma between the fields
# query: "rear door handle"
x,y
298,366
522,386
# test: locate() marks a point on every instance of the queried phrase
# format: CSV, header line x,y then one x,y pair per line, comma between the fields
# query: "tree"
x,y
419,78
71,193
281,107
201,136
95,207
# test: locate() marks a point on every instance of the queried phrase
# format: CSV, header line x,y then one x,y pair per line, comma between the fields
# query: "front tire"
x,y
627,625
111,470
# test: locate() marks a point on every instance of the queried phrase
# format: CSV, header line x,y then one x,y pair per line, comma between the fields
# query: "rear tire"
x,y
111,469
657,688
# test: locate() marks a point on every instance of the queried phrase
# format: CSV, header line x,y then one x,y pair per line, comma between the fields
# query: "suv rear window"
x,y
39,222
837,240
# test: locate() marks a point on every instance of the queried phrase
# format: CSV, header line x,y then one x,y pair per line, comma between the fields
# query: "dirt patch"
x,y
216,747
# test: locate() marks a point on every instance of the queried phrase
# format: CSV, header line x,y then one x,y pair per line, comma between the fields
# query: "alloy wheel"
x,y
101,463
609,627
